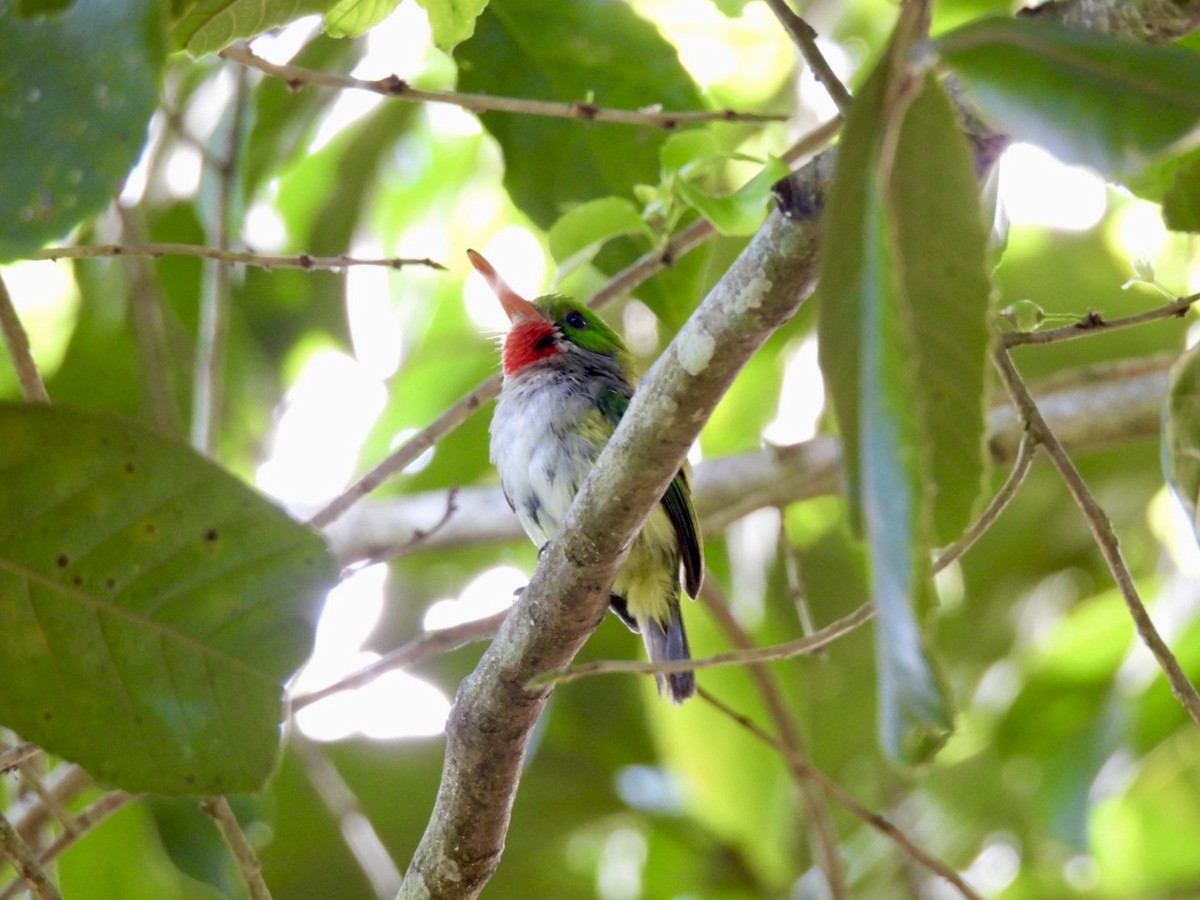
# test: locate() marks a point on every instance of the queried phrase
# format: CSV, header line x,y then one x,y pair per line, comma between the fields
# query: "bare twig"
x,y
881,824
1102,407
416,651
805,38
1102,532
794,569
997,505
824,833
14,756
392,86
26,864
146,303
305,261
359,835
1094,323
209,364
84,822
243,854
420,534
54,807
788,650
33,389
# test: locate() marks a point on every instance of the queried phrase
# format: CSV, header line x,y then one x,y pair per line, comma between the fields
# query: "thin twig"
x,y
84,822
416,651
814,641
393,86
805,38
146,304
33,389
1102,532
26,864
768,687
33,779
418,535
794,569
359,835
305,261
209,364
14,756
873,819
1094,323
243,854
1025,454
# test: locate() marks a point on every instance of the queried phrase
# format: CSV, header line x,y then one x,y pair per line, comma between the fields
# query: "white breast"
x,y
536,447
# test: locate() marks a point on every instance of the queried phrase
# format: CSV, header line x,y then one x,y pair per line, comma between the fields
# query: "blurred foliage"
x,y
1071,771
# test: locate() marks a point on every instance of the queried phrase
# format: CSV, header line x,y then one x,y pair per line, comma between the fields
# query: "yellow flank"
x,y
649,580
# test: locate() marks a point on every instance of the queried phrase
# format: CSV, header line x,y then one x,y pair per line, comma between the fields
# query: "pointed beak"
x,y
518,308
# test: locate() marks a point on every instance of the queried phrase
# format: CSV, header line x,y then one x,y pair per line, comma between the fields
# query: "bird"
x,y
567,381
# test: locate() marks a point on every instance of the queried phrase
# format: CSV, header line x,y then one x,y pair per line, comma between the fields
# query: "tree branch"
x,y
304,261
243,853
491,721
1109,406
1102,532
33,389
392,86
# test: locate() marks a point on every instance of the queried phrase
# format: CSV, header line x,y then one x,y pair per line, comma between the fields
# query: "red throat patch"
x,y
527,342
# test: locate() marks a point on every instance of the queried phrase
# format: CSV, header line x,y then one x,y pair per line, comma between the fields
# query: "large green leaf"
x,y
566,52
69,134
903,344
151,606
934,213
1089,98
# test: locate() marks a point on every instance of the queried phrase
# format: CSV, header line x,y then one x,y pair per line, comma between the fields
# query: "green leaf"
x,y
69,134
1089,98
552,165
452,21
1181,205
935,214
743,211
208,26
1181,434
904,352
153,605
581,232
350,18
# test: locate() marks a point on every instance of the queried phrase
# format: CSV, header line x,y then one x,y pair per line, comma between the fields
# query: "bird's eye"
x,y
576,320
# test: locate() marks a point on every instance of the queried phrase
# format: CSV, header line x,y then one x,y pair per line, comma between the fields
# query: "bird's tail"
x,y
670,644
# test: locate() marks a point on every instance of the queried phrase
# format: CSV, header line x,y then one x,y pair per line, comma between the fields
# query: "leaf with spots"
x,y
152,606
69,134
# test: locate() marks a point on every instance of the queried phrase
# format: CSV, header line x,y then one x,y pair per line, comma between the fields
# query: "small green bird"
x,y
567,382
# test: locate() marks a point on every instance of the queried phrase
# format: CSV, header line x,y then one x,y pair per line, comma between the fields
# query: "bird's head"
x,y
549,326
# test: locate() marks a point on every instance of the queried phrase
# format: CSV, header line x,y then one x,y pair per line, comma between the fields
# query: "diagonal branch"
x,y
490,724
1102,532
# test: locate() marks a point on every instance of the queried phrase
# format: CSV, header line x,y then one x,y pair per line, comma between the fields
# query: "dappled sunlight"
x,y
326,415
801,396
489,592
1037,189
393,705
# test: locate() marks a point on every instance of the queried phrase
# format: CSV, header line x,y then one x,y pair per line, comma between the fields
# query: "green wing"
x,y
677,502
